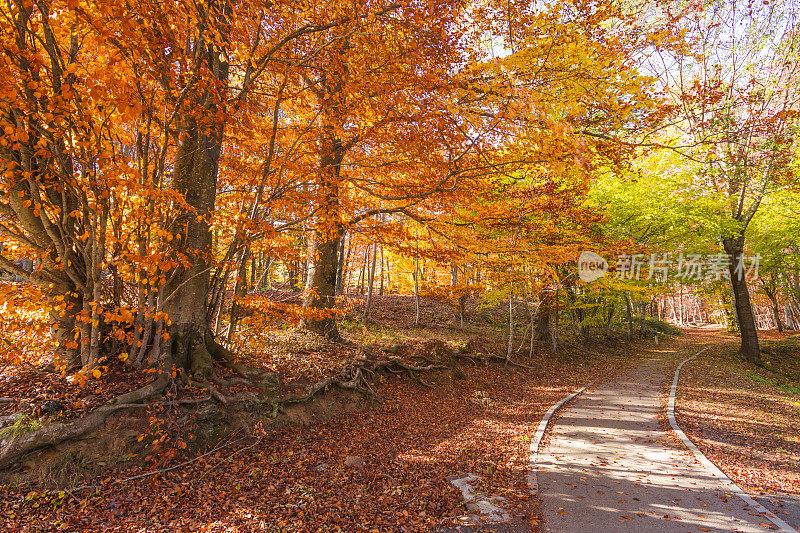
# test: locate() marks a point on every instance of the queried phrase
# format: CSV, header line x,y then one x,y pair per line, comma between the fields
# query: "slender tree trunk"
x,y
610,318
362,276
510,322
239,291
371,285
253,271
629,316
263,281
388,276
776,311
382,271
341,265
348,271
416,282
554,330
532,311
791,317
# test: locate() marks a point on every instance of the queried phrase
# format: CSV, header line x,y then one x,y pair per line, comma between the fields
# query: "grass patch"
x,y
21,426
783,356
755,377
791,388
659,327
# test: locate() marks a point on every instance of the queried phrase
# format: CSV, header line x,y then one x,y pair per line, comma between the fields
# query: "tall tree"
x,y
736,99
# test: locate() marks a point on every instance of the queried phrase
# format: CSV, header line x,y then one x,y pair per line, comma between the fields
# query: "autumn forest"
x,y
325,266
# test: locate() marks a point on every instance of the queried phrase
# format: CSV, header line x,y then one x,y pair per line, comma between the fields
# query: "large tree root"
x,y
353,378
15,446
226,358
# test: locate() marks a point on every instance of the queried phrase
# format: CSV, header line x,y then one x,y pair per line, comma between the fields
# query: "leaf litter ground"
x,y
380,465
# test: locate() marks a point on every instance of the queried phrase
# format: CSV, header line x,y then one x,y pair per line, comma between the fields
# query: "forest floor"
x,y
746,418
376,462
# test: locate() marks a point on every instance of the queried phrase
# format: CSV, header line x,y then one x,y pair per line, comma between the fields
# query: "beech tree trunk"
x,y
629,316
185,295
745,317
195,176
320,291
382,271
340,267
239,291
771,292
546,305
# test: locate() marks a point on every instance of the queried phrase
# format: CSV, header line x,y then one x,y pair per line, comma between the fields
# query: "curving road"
x,y
610,467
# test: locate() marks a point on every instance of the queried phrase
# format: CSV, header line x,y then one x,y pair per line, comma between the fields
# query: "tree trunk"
x,y
777,312
340,267
771,292
371,284
320,293
362,274
543,317
510,322
62,327
320,290
416,282
195,176
554,331
750,348
382,272
610,318
239,291
348,271
629,316
253,272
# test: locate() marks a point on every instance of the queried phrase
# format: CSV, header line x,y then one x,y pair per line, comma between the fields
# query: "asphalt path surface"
x,y
609,466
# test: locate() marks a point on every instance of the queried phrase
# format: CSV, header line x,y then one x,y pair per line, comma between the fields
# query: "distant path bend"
x,y
610,467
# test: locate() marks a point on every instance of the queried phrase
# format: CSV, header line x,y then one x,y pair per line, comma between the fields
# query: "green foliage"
x,y
21,426
659,326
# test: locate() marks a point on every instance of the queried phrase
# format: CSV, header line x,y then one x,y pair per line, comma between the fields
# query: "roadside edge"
x,y
533,458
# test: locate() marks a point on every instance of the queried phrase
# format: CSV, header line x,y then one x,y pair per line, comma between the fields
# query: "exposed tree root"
x,y
14,446
202,351
413,368
353,378
226,358
216,394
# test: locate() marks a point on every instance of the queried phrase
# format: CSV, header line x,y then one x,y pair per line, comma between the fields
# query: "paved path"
x,y
609,467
